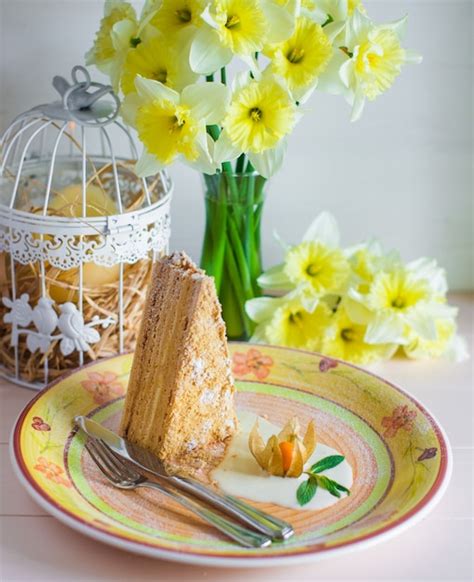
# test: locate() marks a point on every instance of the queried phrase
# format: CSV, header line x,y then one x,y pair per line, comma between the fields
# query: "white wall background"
x,y
403,173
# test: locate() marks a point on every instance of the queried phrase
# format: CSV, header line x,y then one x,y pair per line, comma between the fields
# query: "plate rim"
x,y
414,516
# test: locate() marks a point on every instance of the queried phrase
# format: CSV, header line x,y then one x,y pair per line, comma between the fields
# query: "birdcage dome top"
x,y
67,171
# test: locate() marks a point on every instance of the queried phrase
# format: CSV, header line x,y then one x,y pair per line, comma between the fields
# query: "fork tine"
x,y
123,468
91,449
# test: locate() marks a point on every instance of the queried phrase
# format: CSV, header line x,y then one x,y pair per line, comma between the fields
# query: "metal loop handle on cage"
x,y
81,87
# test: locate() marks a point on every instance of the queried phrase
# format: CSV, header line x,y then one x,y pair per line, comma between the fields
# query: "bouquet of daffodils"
x,y
359,304
166,61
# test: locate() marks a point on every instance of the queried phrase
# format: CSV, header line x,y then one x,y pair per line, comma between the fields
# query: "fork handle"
x,y
262,522
242,535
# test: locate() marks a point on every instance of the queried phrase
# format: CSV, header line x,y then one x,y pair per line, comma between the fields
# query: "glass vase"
x,y
231,250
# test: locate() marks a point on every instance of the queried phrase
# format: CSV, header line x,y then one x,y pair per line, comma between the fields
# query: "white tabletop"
x,y
36,547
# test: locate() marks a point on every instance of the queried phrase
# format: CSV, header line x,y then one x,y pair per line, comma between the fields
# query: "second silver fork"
x,y
123,476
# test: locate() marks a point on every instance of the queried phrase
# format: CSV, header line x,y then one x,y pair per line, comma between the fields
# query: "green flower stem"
x,y
237,322
231,247
223,76
240,164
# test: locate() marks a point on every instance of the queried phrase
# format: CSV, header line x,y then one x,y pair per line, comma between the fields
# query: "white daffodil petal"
x,y
225,150
208,101
386,328
205,162
357,312
275,279
259,335
457,350
422,324
284,245
413,57
358,27
130,105
398,26
358,106
240,79
309,302
428,270
121,34
280,21
323,229
149,90
147,165
346,72
330,80
252,64
207,53
269,161
332,29
261,309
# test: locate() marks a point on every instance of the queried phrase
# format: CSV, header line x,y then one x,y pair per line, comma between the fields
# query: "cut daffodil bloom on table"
x,y
402,299
317,263
172,124
289,321
344,339
284,454
359,304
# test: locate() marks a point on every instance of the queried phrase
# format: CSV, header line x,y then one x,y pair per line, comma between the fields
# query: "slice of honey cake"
x,y
180,398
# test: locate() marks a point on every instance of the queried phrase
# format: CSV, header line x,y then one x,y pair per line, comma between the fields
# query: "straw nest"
x,y
99,299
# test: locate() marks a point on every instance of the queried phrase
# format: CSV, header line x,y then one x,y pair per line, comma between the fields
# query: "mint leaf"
x,y
328,484
326,463
306,491
340,487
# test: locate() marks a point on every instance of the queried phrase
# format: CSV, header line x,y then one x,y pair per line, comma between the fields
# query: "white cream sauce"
x,y
239,473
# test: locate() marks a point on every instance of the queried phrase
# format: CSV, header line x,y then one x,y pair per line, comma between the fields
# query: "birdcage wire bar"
x,y
41,156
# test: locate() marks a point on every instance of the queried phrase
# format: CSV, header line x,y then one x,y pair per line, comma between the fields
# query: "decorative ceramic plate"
x,y
399,455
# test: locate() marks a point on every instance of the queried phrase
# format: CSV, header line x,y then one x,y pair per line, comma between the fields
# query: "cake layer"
x,y
179,402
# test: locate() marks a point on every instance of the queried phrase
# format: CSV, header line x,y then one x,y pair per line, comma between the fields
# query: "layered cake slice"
x,y
180,398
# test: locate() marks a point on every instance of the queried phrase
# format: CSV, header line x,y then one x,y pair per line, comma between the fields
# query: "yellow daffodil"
x,y
344,339
322,268
284,454
179,17
293,326
375,59
355,5
316,265
261,114
447,344
119,33
302,58
366,260
296,320
232,27
402,301
173,125
155,58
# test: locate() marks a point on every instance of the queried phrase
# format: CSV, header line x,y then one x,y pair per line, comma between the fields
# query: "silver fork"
x,y
123,476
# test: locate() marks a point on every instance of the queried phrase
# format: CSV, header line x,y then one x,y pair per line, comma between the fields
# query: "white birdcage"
x,y
78,233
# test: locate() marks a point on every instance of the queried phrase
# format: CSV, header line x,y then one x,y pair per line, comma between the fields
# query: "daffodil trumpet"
x,y
284,454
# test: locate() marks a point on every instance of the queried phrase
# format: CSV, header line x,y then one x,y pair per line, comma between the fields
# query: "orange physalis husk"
x,y
287,460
